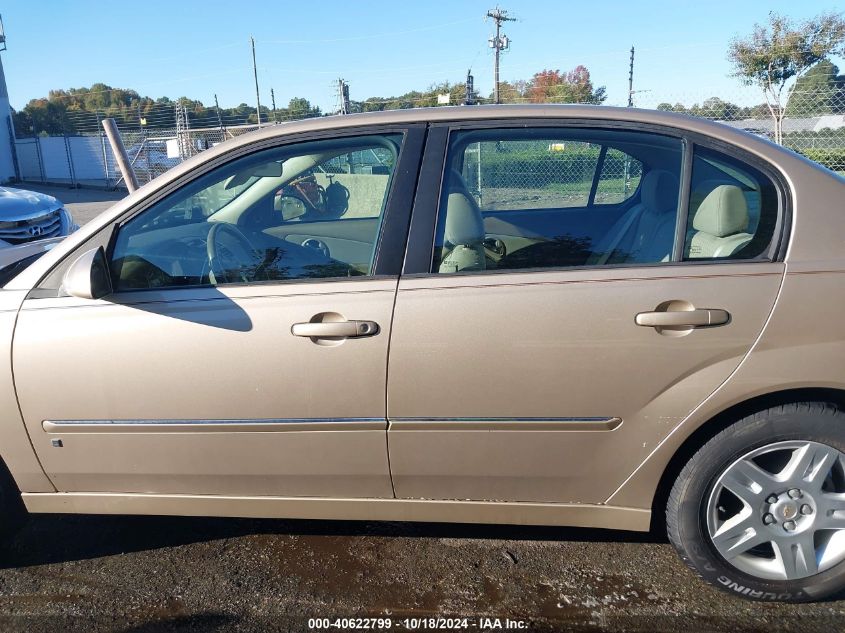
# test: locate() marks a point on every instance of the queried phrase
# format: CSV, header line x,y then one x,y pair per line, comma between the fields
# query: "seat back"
x,y
720,224
463,234
646,232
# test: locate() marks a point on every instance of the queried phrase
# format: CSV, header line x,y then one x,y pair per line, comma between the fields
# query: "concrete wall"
x,y
7,166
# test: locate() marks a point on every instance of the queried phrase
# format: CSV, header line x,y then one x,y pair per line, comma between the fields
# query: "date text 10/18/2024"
x,y
418,624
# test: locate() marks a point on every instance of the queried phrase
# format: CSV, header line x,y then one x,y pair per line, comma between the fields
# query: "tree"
x,y
300,108
779,53
552,86
816,92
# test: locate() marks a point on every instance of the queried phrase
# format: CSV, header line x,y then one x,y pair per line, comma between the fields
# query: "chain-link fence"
x,y
811,122
547,173
88,159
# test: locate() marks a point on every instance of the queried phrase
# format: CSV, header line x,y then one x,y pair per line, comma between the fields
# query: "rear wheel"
x,y
759,511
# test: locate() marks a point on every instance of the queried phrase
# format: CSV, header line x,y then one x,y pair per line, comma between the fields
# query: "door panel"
x,y
475,359
207,391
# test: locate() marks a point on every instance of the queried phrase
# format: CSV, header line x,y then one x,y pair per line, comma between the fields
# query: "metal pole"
x,y
273,102
219,118
120,154
498,15
255,73
496,65
631,80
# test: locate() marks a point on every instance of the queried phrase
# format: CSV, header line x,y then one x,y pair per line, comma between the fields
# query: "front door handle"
x,y
335,329
683,318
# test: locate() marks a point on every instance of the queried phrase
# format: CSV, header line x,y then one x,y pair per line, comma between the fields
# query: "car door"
x,y
549,374
230,360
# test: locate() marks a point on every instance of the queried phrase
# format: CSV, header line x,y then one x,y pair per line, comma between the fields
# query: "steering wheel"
x,y
248,253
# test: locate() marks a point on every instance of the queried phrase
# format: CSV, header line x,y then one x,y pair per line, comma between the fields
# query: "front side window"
x,y
311,210
539,198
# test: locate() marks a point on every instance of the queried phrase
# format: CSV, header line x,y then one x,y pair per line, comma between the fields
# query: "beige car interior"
x,y
463,235
720,224
292,168
645,224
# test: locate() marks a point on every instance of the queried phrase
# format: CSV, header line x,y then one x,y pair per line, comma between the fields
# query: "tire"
x,y
784,464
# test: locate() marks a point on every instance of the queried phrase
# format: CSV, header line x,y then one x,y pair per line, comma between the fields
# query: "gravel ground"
x,y
147,574
83,573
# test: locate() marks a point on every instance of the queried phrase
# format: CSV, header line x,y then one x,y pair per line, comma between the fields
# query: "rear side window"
x,y
515,199
530,173
733,209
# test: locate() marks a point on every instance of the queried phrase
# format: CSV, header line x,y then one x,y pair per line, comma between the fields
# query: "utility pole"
x,y
343,95
631,80
273,102
469,99
498,43
255,73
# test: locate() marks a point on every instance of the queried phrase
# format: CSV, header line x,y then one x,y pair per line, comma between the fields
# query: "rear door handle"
x,y
683,318
335,329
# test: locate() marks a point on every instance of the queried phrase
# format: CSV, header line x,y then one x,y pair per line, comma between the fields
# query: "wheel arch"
x,y
718,423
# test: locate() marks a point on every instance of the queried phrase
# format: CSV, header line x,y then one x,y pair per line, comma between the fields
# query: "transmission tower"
x,y
342,96
183,137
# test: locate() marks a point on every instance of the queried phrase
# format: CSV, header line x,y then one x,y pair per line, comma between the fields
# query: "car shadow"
x,y
209,307
58,538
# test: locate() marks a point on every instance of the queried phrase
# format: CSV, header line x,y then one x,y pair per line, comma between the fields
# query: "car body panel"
x,y
611,471
35,216
148,357
555,345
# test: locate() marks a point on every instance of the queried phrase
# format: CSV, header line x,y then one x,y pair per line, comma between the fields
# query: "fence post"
x,y
40,158
120,155
13,142
70,162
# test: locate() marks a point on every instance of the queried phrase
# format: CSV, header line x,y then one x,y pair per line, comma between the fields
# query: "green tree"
x,y
816,92
300,108
776,55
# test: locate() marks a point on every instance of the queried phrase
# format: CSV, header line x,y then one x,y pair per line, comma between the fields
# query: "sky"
x,y
381,48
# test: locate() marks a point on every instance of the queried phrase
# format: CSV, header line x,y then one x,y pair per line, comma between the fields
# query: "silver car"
x,y
26,216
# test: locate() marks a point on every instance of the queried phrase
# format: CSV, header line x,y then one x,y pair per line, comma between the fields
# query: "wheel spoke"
x,y
747,481
738,534
809,465
797,556
831,509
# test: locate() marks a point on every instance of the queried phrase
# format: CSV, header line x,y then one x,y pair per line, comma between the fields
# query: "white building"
x,y
7,166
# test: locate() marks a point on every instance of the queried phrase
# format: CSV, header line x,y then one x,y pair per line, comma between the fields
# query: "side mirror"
x,y
88,277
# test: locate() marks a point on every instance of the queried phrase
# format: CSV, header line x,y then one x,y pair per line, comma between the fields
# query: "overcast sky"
x,y
381,48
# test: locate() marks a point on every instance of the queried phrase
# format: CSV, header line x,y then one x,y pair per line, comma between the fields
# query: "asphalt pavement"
x,y
84,204
150,574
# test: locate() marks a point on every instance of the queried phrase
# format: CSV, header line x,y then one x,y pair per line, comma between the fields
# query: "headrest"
x,y
464,224
660,191
723,212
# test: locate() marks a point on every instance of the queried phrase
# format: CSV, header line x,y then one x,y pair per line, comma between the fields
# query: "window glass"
x,y
312,210
733,209
533,173
619,178
517,199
